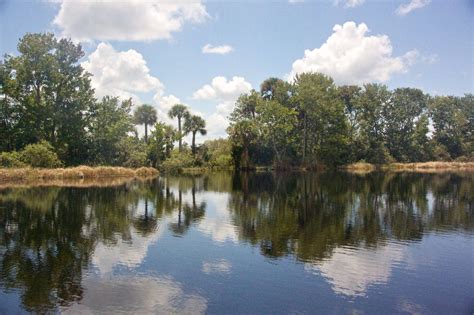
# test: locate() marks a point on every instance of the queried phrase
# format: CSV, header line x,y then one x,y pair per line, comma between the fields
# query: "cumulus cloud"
x,y
220,50
351,56
349,3
120,73
134,20
406,8
225,92
223,89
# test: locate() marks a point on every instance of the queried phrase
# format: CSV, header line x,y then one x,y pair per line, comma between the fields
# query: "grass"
x,y
362,167
359,167
80,172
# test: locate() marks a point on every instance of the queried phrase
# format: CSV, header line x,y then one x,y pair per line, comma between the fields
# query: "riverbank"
x,y
79,172
363,167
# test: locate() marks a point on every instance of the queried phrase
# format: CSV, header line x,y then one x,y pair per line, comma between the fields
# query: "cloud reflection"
x,y
351,271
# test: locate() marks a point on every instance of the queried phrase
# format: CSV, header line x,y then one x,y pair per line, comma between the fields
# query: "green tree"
x,y
145,115
194,124
179,111
373,99
275,123
242,134
400,115
161,142
47,96
321,118
450,123
111,122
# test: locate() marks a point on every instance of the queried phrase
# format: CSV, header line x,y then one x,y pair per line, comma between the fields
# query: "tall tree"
x,y
321,118
275,123
47,96
145,115
400,115
450,122
373,99
194,124
111,123
179,111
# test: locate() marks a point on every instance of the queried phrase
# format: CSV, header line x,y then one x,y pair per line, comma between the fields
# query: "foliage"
x,y
217,153
161,144
178,161
40,155
111,123
180,112
145,115
11,160
46,96
194,124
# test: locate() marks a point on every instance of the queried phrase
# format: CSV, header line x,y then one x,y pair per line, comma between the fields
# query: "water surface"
x,y
241,243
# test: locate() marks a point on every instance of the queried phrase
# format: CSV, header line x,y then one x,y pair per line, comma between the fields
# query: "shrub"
x,y
441,153
40,155
11,160
178,161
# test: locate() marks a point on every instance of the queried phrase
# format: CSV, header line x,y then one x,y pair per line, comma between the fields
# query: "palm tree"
x,y
180,111
195,124
145,115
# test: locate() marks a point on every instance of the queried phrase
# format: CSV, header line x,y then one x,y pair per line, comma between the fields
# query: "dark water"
x,y
249,243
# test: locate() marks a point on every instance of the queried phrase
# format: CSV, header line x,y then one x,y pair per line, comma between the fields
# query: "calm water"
x,y
249,243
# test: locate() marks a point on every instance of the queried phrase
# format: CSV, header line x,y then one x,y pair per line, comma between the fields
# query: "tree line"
x,y
49,116
47,107
311,121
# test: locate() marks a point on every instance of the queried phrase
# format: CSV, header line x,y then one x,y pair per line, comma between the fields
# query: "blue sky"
x,y
152,50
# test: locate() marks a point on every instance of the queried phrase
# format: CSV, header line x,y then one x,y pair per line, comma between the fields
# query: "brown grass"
x,y
359,167
80,172
422,167
430,166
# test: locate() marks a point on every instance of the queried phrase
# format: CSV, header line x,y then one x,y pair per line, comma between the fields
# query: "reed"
x,y
359,167
430,166
79,172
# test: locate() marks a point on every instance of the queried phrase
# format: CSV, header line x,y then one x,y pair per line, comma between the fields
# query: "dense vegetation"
x,y
49,117
311,121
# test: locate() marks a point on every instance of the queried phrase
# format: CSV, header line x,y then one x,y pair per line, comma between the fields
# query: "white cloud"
x,y
350,56
135,20
225,92
223,89
349,3
406,8
120,73
220,50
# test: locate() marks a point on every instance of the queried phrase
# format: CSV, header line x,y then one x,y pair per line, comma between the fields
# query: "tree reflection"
x,y
309,215
187,213
48,234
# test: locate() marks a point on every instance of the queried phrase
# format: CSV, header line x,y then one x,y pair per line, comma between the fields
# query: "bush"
x,y
40,155
11,160
178,161
441,153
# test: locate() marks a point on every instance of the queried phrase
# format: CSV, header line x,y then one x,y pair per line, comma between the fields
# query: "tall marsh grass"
x,y
79,172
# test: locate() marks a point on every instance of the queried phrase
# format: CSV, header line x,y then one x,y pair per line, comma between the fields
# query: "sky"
x,y
206,53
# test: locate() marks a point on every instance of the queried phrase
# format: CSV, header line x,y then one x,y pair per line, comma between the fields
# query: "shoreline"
x,y
71,173
419,167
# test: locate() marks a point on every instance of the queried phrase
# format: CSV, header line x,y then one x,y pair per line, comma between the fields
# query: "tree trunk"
x,y
180,136
146,133
305,141
194,143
